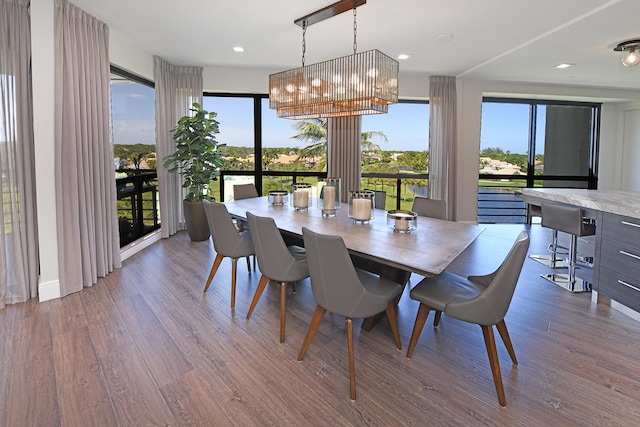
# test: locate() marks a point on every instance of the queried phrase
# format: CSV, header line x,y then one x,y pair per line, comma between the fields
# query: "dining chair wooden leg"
x,y
318,314
421,318
436,320
502,329
490,343
393,321
293,287
264,280
234,269
352,367
283,309
214,268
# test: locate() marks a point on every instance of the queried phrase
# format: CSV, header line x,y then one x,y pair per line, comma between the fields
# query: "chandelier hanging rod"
x,y
328,12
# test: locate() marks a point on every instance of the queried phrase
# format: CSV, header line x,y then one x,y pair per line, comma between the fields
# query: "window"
x,y
134,148
394,143
295,150
237,131
527,143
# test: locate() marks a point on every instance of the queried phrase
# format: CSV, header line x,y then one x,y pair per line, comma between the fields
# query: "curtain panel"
x,y
88,244
344,155
442,133
177,88
18,234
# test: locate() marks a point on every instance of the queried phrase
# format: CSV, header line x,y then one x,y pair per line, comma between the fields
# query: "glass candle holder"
x,y
401,221
301,196
278,197
361,205
329,196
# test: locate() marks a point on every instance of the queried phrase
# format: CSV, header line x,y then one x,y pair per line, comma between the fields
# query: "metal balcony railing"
x,y
137,205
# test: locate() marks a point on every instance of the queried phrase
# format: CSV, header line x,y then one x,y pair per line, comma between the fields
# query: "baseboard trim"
x,y
135,247
49,290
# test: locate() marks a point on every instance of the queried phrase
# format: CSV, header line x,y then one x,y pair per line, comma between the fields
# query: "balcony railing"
x,y
137,205
400,188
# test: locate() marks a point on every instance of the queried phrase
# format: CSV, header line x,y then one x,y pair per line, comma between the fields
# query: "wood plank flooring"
x,y
145,346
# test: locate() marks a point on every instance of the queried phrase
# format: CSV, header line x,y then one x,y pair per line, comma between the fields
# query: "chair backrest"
x,y
490,307
379,199
433,208
274,259
565,218
334,281
244,191
223,232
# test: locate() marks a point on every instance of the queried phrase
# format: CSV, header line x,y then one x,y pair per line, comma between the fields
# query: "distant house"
x,y
498,167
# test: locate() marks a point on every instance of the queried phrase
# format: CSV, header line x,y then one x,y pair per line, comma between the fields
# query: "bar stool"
x,y
568,219
553,260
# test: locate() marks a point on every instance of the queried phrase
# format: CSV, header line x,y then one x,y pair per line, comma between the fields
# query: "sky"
x,y
406,125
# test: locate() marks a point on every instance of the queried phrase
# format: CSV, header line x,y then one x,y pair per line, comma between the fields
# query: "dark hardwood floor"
x,y
144,346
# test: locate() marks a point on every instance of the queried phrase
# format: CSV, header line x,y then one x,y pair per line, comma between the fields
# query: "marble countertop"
x,y
618,202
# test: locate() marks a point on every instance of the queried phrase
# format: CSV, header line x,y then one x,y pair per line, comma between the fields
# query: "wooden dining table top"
x,y
427,250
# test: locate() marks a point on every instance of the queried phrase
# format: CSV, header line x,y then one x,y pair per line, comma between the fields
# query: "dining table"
x,y
373,245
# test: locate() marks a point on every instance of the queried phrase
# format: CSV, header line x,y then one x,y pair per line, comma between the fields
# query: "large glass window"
x,y
273,153
393,143
133,117
527,143
237,132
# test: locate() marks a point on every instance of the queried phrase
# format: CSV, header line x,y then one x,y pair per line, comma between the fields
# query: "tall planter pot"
x,y
196,220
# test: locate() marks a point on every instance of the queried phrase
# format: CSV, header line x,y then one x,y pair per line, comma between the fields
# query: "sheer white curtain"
x,y
88,244
18,232
344,145
177,88
442,149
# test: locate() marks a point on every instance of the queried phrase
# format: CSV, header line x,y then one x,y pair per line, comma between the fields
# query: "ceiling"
x,y
501,40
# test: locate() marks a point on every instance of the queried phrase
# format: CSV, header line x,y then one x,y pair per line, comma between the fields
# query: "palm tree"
x,y
314,131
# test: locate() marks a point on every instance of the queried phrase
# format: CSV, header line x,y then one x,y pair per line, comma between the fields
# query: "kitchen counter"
x,y
625,203
616,270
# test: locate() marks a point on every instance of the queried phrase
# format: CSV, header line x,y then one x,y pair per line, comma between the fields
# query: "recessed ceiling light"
x,y
238,49
564,65
404,56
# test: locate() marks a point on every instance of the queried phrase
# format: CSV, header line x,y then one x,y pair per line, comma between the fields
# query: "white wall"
x,y
43,121
630,170
128,55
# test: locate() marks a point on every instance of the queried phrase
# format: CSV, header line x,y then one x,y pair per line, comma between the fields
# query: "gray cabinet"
x,y
618,264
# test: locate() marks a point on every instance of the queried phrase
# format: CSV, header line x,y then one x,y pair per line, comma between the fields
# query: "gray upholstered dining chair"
x,y
433,208
241,192
483,300
340,288
380,199
227,242
277,262
244,191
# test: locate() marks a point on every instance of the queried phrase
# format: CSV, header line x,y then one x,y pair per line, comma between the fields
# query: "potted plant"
x,y
198,161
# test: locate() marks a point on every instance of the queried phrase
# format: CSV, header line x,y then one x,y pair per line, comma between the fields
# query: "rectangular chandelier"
x,y
353,85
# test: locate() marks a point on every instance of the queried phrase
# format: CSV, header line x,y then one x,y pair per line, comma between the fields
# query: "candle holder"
x,y
401,221
329,196
278,197
301,196
361,206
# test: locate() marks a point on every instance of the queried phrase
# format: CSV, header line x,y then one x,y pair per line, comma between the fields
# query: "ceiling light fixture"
x,y
564,65
403,56
353,85
630,52
238,49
